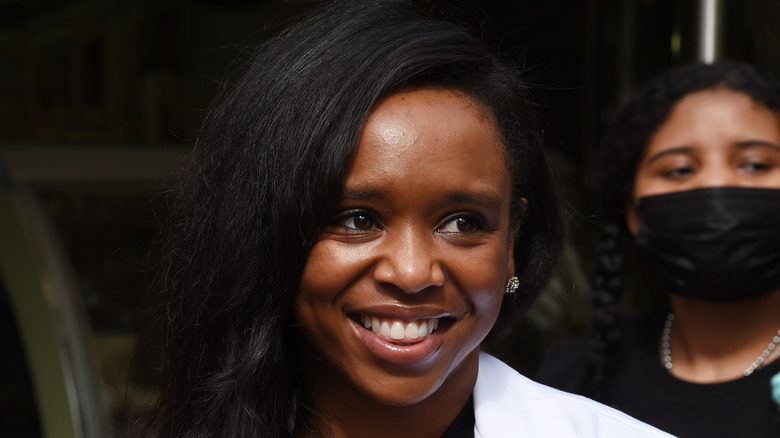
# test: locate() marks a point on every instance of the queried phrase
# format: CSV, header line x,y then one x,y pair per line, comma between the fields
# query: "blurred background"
x,y
100,100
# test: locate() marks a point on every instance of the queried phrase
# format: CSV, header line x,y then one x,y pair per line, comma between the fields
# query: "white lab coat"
x,y
508,404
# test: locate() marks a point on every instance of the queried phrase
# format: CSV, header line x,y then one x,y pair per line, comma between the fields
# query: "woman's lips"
x,y
400,342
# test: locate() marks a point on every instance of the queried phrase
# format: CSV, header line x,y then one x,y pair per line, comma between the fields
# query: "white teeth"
x,y
411,331
399,329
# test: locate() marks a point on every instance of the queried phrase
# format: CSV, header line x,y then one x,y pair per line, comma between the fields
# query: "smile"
x,y
400,330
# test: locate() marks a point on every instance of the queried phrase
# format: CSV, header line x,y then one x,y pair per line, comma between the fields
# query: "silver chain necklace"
x,y
666,350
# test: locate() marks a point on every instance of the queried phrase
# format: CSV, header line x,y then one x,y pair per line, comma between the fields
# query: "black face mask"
x,y
716,243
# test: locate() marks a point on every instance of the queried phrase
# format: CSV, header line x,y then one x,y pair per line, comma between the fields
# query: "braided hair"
x,y
612,177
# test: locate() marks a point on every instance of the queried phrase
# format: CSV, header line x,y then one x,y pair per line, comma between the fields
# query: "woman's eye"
x,y
461,224
755,167
358,221
679,172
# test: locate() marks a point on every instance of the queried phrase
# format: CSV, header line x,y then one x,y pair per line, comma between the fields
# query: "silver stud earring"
x,y
512,284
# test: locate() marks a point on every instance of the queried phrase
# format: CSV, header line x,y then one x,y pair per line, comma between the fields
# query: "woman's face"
x,y
711,138
408,277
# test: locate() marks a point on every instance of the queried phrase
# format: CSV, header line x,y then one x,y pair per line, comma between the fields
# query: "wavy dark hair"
x,y
614,167
263,179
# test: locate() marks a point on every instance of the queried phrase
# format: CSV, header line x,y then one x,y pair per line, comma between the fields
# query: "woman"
x,y
693,161
355,210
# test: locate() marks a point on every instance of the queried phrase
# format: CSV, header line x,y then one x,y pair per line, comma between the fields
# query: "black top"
x,y
463,425
640,386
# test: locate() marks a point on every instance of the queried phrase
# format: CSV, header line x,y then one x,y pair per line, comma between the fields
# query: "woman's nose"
x,y
408,261
719,176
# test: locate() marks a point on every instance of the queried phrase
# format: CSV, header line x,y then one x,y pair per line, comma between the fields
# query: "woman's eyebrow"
x,y
357,194
670,151
750,143
486,198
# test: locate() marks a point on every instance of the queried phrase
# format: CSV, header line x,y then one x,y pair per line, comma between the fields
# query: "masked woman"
x,y
691,172
364,206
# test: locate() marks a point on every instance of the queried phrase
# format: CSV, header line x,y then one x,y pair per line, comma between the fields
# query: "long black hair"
x,y
265,174
614,168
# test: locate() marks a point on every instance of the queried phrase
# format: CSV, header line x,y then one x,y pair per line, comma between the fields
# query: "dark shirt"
x,y
463,425
641,387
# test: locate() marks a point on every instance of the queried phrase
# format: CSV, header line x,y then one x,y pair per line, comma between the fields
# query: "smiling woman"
x,y
364,206
414,246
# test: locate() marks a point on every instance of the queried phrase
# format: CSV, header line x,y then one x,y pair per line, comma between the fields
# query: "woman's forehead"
x,y
427,141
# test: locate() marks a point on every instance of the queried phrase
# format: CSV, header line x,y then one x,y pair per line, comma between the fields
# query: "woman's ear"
x,y
632,219
510,250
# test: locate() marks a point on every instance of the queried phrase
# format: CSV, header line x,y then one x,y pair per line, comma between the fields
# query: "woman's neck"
x,y
340,410
716,341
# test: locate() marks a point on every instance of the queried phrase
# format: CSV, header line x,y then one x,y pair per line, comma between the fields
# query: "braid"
x,y
605,293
